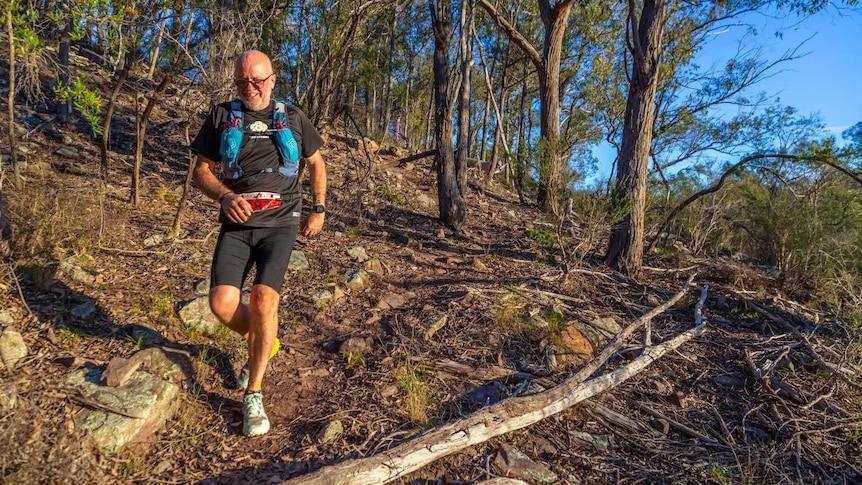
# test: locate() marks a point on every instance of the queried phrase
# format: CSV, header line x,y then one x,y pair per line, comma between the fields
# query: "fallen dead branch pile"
x,y
508,415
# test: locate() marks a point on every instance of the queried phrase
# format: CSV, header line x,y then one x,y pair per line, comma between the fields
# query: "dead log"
x,y
495,420
428,153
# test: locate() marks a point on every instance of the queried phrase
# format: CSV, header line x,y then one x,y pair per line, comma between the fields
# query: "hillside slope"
x,y
745,402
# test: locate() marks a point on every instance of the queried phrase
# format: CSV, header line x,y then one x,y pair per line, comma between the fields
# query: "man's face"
x,y
254,82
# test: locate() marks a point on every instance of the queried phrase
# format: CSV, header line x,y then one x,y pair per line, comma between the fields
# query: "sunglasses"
x,y
257,83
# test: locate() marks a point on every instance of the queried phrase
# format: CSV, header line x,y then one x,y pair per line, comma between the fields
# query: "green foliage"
x,y
85,100
390,195
542,236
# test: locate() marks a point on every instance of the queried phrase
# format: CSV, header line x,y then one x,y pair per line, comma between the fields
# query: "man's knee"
x,y
224,301
264,300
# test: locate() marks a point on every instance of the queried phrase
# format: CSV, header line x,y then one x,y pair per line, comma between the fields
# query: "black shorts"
x,y
266,248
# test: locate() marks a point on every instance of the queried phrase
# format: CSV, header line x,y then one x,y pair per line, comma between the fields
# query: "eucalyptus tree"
x,y
555,17
451,201
662,37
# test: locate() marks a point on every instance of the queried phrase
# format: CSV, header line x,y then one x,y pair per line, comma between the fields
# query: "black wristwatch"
x,y
319,208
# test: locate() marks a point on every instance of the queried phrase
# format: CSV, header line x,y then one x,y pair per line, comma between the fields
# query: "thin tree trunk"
x,y
390,81
13,156
141,135
154,57
64,109
106,126
522,134
463,151
189,175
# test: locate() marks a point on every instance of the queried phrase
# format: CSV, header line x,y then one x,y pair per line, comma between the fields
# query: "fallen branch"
x,y
674,424
495,420
804,339
428,153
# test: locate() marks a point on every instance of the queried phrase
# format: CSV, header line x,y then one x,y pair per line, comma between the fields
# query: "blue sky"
x,y
827,80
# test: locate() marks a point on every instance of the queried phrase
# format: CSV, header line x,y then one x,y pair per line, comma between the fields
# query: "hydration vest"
x,y
233,133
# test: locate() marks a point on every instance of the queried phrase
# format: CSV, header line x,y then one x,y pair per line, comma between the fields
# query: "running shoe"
x,y
254,419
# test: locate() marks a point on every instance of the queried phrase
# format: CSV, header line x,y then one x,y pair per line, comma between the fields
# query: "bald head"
x,y
255,79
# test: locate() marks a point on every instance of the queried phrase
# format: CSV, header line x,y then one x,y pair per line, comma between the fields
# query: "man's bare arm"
x,y
235,207
317,177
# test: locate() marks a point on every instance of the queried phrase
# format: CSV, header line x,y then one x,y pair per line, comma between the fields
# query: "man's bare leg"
x,y
262,331
226,305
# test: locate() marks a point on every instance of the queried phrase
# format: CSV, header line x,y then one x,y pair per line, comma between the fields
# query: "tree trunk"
x,y
64,109
387,97
112,101
625,248
141,136
13,156
464,97
189,175
555,19
154,57
520,162
452,207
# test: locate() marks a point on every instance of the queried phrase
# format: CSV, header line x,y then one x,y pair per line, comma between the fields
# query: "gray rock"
x,y
79,274
145,335
12,348
601,442
357,280
8,397
512,463
6,318
152,401
172,365
355,345
321,298
84,310
202,287
435,322
330,432
298,261
358,254
153,240
68,152
198,317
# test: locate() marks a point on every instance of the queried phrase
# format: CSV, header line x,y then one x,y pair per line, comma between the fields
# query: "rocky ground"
x,y
391,325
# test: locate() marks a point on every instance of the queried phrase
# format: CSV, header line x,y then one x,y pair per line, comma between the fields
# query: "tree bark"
x,y
141,135
13,155
625,248
555,19
64,109
154,57
112,101
451,202
464,97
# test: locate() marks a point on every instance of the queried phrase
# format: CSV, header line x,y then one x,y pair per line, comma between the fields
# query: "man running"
x,y
257,141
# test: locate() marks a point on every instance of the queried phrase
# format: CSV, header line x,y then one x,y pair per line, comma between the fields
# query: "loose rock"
x,y
330,432
512,463
298,261
12,348
358,254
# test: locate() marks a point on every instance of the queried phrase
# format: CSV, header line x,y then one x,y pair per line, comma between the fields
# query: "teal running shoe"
x,y
254,419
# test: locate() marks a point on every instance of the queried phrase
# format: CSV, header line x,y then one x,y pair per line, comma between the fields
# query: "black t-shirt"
x,y
257,153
